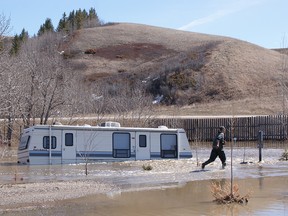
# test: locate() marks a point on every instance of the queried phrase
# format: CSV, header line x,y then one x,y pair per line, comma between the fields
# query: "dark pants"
x,y
214,154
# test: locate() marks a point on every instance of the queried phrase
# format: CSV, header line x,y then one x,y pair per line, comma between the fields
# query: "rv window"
x,y
68,139
46,142
142,141
24,142
121,145
168,145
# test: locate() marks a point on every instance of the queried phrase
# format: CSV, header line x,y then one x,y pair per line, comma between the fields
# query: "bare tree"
x,y
140,106
46,75
89,146
4,29
96,99
130,102
4,26
10,89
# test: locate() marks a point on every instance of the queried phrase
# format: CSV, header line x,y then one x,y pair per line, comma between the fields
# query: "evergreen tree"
x,y
80,18
92,14
17,41
15,45
76,20
72,21
41,30
23,35
92,20
46,27
63,24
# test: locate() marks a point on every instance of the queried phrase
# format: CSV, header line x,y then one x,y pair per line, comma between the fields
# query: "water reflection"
x,y
261,178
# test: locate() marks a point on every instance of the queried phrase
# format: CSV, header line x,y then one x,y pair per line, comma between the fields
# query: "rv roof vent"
x,y
110,124
57,123
162,127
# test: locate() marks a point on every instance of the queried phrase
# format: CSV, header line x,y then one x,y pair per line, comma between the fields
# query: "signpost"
x,y
260,144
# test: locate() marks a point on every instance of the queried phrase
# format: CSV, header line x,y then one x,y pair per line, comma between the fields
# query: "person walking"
x,y
217,148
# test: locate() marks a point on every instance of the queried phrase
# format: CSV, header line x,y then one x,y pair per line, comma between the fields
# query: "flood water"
x,y
269,196
194,198
172,187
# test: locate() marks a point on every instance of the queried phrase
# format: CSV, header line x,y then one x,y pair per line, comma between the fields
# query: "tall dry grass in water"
x,y
223,194
229,193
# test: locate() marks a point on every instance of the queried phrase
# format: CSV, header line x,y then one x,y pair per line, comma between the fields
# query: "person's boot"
x,y
203,166
223,165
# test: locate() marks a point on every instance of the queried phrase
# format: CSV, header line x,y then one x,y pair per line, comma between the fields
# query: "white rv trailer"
x,y
63,144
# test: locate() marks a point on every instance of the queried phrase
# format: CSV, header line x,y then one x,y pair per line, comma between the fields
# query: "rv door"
x,y
142,146
68,147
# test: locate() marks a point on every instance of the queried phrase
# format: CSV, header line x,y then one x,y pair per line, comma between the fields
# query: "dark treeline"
x,y
78,19
74,21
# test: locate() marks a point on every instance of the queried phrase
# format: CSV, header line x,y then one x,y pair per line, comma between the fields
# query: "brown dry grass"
x,y
242,107
223,194
237,76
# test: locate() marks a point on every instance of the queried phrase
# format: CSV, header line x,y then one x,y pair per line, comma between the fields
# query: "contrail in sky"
x,y
206,19
233,8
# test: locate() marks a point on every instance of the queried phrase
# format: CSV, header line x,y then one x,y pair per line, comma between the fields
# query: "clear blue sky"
x,y
262,22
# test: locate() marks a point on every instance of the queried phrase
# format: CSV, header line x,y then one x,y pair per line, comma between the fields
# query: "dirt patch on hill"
x,y
131,51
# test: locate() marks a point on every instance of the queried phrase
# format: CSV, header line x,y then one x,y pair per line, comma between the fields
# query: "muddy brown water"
x,y
171,188
269,196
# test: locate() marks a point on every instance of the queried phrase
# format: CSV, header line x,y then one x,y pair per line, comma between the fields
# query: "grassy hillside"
x,y
197,73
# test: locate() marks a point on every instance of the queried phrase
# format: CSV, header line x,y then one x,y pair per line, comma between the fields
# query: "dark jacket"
x,y
218,141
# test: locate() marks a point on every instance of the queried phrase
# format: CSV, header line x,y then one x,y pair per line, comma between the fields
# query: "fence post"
x,y
260,144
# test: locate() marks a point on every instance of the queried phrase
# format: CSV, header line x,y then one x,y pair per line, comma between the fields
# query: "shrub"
x,y
223,194
284,156
90,51
147,167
